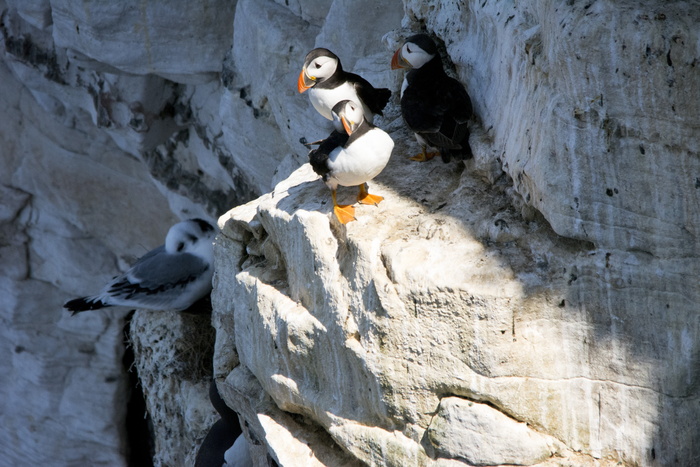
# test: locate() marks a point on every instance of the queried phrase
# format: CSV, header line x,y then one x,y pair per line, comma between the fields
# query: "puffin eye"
x,y
408,49
318,65
180,246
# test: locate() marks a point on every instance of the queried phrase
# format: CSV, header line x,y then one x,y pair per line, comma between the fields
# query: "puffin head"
x,y
319,65
349,114
415,52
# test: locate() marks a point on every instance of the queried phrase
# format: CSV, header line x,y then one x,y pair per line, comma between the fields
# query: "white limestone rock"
x,y
67,226
173,358
354,30
275,434
172,40
444,289
35,12
581,323
591,111
60,376
261,110
481,435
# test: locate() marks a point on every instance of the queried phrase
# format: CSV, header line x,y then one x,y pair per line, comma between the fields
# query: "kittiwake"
x,y
170,277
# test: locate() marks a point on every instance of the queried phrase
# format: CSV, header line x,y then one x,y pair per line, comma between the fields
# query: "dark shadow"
x,y
139,432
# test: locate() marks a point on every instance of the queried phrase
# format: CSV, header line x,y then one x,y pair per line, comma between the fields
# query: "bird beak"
x,y
347,125
305,81
397,61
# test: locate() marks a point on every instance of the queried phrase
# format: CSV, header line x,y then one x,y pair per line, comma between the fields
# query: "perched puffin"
x,y
171,277
353,154
435,107
328,84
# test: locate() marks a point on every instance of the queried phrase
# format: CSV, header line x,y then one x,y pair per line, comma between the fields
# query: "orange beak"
x,y
346,125
397,61
304,82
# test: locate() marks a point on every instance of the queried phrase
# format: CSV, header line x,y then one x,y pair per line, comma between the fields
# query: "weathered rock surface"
x,y
146,38
446,290
173,354
481,435
551,282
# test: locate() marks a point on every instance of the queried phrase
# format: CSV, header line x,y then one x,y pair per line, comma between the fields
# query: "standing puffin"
x,y
353,154
328,84
435,107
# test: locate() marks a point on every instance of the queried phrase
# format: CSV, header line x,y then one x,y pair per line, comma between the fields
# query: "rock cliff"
x,y
534,306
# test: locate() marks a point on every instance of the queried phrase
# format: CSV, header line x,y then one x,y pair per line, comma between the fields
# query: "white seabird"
x,y
170,277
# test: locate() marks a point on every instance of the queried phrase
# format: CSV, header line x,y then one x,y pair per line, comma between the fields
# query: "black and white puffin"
x,y
323,76
435,107
353,154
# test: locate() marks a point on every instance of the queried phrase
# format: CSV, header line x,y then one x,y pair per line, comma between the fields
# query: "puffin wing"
x,y
319,156
439,114
374,98
460,103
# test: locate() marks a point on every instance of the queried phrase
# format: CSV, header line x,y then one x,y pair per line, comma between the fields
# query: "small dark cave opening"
x,y
139,433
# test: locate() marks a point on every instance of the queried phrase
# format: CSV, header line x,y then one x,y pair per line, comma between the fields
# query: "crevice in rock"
x,y
164,166
23,49
139,432
262,259
487,402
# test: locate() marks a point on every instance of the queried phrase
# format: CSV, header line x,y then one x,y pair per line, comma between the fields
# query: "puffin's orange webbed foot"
x,y
344,213
363,197
424,156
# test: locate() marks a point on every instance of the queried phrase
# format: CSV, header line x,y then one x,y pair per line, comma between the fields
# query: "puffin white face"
x,y
321,68
194,236
414,55
337,122
349,114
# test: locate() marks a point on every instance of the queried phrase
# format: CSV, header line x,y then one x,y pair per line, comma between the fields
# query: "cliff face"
x,y
536,305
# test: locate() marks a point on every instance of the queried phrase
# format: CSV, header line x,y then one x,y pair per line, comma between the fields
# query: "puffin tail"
x,y
462,154
81,304
462,151
319,162
382,96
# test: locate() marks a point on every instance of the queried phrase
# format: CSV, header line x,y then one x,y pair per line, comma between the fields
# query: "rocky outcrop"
x,y
457,289
173,355
535,306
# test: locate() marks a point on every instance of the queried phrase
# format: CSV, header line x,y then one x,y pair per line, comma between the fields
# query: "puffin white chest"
x,y
362,160
323,99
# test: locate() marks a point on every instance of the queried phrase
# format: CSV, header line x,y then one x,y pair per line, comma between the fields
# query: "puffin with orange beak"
x,y
434,106
323,76
352,155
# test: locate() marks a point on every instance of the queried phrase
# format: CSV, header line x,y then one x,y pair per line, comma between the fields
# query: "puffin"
x,y
354,153
434,106
323,76
171,277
